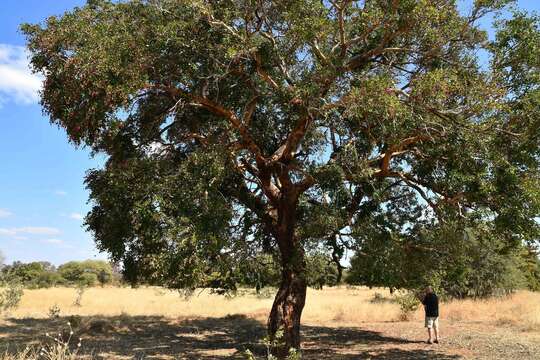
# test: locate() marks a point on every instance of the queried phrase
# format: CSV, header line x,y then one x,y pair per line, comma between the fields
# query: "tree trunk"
x,y
284,320
339,274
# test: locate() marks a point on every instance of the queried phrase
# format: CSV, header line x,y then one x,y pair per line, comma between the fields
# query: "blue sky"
x,y
42,196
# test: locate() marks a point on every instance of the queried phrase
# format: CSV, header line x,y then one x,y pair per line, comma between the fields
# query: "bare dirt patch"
x,y
150,337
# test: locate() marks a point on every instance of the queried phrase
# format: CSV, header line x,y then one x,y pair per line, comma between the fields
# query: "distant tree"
x,y
264,270
48,279
37,274
237,126
104,277
78,271
116,268
87,279
71,271
530,266
470,262
47,266
260,271
320,271
2,260
27,273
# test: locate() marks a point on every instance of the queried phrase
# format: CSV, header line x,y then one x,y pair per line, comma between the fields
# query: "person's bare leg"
x,y
430,339
436,330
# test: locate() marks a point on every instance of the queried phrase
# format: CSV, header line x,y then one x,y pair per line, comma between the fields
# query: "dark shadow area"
x,y
356,343
141,337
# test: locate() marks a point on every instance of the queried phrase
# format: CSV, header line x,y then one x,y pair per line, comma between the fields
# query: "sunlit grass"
x,y
114,308
329,307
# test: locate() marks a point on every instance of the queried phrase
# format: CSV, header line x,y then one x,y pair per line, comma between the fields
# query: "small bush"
x,y
10,296
293,353
408,303
80,292
54,311
60,346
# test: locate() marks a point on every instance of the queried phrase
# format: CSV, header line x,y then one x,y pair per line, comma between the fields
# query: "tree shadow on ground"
x,y
141,337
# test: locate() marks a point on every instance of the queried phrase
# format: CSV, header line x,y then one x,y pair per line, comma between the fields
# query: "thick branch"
x,y
263,74
286,151
219,110
395,150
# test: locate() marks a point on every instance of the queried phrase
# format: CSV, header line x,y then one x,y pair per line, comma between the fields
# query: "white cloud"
x,y
38,230
57,242
53,241
7,232
5,213
76,216
17,83
32,230
60,193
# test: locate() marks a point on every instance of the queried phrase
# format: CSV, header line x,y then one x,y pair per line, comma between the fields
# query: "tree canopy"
x,y
239,127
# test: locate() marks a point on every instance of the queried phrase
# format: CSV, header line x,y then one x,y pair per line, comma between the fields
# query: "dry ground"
x,y
339,323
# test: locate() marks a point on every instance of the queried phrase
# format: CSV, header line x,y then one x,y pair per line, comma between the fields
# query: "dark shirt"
x,y
431,305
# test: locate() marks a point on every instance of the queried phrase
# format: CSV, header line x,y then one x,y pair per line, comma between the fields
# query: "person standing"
x,y
431,307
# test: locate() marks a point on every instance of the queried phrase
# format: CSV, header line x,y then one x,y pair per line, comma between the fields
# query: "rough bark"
x,y
287,309
289,302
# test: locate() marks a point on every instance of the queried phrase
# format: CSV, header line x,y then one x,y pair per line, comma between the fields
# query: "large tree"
x,y
239,127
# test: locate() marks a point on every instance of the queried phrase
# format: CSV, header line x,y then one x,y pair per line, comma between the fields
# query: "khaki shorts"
x,y
432,322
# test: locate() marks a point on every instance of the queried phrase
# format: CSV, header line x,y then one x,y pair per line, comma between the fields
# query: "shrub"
x,y
293,353
408,303
78,298
54,311
10,295
59,347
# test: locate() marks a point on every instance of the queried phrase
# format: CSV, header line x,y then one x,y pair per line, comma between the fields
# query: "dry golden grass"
x,y
521,310
338,306
144,301
339,323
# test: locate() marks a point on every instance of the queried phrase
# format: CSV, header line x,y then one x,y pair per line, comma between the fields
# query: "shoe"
x,y
436,341
430,342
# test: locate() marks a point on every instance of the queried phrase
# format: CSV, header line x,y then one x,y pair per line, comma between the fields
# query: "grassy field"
x,y
338,323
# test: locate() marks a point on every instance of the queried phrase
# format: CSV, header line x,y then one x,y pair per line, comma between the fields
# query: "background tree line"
x,y
457,262
43,274
462,266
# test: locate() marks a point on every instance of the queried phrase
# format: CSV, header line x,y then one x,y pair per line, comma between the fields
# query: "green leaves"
x,y
516,52
376,100
226,122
